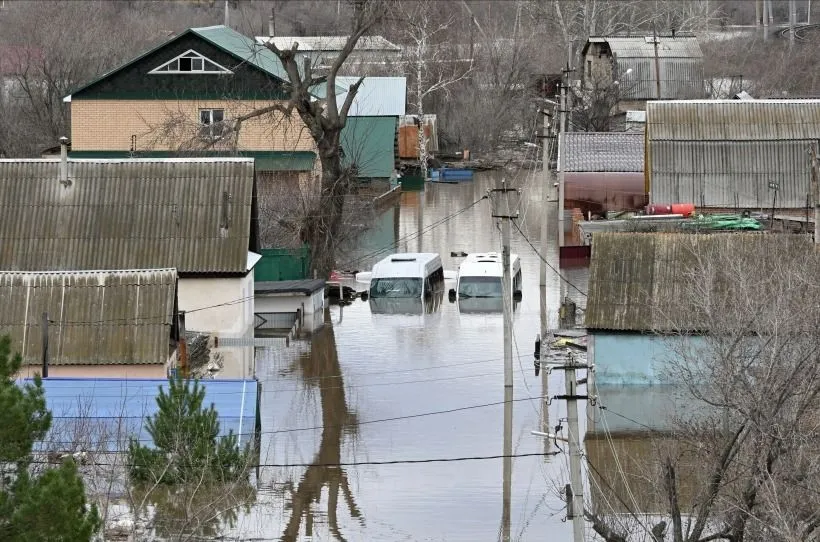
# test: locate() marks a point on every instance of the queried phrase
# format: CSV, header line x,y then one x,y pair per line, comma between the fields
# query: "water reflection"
x,y
320,368
406,305
395,362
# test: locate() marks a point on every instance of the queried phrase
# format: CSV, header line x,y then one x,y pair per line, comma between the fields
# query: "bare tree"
x,y
744,351
324,120
429,60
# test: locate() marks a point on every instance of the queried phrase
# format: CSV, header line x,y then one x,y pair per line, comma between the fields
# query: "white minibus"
x,y
408,275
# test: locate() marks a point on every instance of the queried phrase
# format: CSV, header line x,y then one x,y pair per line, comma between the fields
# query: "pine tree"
x,y
187,445
35,504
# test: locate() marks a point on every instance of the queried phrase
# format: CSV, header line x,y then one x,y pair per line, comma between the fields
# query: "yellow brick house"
x,y
179,99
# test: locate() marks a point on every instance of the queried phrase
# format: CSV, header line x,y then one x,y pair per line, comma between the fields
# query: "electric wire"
x,y
346,463
327,426
561,276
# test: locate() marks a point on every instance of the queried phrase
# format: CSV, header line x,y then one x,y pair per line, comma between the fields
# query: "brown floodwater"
x,y
383,393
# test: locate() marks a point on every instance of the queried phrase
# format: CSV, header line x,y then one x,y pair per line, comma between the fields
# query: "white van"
x,y
480,275
409,275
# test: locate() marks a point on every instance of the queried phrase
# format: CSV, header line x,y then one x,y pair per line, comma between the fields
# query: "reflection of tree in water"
x,y
196,511
320,367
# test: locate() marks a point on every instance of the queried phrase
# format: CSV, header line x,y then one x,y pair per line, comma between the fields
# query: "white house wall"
x,y
228,308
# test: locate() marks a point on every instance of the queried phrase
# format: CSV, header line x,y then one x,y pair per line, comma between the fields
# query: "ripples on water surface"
x,y
364,367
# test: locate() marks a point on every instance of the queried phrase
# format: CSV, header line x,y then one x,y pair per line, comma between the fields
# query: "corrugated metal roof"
x,y
330,43
192,214
733,120
731,174
638,281
95,414
369,142
643,47
601,151
97,317
376,97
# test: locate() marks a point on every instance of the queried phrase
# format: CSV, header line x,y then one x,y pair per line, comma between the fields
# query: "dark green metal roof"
x,y
265,160
232,42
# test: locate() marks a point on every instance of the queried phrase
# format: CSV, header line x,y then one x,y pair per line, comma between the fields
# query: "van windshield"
x,y
396,287
480,287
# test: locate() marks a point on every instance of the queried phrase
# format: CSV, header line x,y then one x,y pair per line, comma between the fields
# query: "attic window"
x,y
190,62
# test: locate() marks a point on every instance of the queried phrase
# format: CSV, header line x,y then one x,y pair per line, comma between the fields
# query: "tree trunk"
x,y
322,225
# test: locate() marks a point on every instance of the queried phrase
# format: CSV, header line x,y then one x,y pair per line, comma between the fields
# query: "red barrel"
x,y
685,209
659,209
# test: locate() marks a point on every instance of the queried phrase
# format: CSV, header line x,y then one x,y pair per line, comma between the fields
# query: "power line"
x,y
562,277
414,235
351,463
360,423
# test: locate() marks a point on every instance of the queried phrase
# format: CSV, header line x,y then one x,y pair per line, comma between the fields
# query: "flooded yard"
x,y
389,426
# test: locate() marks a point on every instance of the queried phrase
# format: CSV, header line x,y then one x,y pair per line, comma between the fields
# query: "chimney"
x,y
272,23
64,180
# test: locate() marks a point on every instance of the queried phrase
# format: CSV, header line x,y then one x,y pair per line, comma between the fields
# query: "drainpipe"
x,y
64,180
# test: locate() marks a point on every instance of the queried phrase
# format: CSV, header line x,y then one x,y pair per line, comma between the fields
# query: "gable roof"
x,y
101,414
330,43
601,151
376,97
97,317
623,47
242,48
192,214
637,281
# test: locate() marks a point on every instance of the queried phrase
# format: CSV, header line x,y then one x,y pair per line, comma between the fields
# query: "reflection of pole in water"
x,y
420,220
507,489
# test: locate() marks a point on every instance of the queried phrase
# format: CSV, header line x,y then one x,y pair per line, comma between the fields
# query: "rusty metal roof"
x,y
97,317
601,151
638,281
192,214
733,120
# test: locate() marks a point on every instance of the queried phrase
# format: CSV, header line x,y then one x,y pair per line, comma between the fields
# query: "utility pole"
x,y
655,40
815,185
564,111
765,19
44,331
505,202
227,13
792,22
575,495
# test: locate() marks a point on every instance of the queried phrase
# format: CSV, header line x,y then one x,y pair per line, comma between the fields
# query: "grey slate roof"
x,y
637,281
98,317
601,151
192,214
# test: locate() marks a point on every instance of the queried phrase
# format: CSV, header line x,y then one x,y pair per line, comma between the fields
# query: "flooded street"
x,y
411,405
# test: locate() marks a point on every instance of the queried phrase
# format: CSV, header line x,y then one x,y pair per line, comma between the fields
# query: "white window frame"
x,y
212,130
193,55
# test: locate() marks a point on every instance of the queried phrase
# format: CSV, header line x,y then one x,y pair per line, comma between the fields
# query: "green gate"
x,y
283,264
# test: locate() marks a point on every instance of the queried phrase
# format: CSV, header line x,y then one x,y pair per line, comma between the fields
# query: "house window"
x,y
190,62
211,123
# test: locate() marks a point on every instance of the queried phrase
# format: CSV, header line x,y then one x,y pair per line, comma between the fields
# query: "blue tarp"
x,y
101,414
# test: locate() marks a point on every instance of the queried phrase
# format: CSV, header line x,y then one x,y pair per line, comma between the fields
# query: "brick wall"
x,y
171,125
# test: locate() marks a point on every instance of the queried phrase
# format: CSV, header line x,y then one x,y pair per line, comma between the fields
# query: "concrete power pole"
x,y
563,128
575,493
505,206
792,22
227,13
